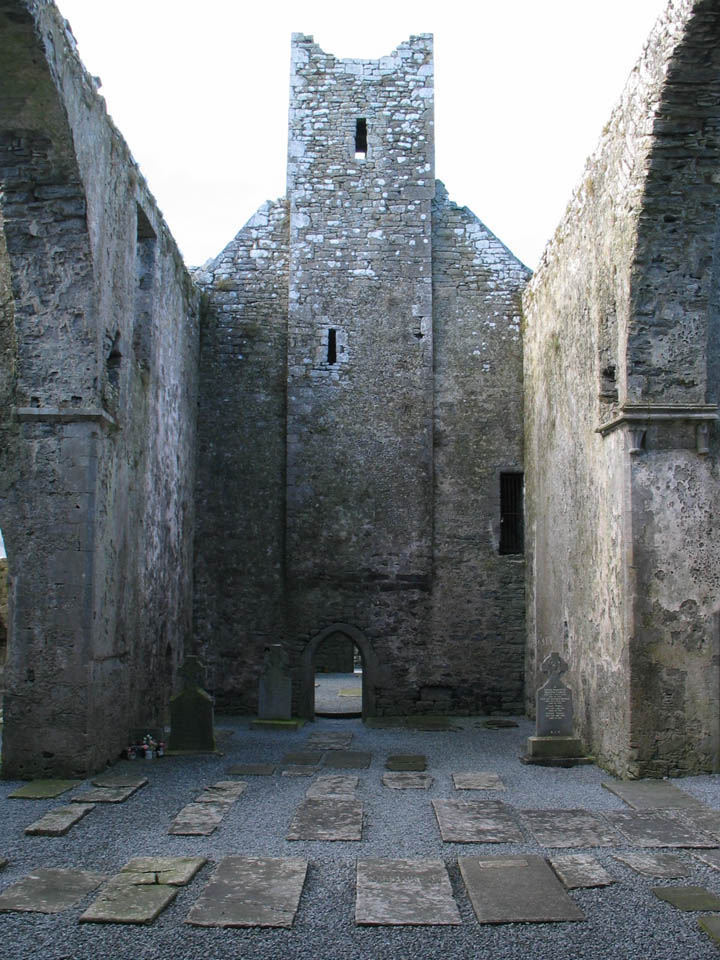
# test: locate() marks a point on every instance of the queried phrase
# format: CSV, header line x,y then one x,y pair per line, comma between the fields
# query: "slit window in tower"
x,y
360,138
511,513
332,346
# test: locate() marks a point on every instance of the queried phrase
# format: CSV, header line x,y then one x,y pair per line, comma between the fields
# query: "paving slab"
x,y
199,819
570,828
652,828
688,898
703,818
710,926
709,857
476,821
406,761
333,785
329,741
477,781
654,864
251,892
298,772
49,890
394,892
105,795
129,779
327,818
57,822
407,781
174,871
124,900
516,890
580,870
43,789
224,791
651,794
304,758
348,759
252,769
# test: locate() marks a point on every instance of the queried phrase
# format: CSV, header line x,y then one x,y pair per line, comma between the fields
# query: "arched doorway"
x,y
340,635
338,678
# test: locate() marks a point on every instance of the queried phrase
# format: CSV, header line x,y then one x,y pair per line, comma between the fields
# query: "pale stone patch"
x,y
651,794
396,892
105,795
570,828
333,785
199,819
329,741
57,822
327,818
43,789
577,871
224,791
709,857
174,871
654,864
124,900
407,781
251,892
476,821
647,828
48,890
477,781
128,779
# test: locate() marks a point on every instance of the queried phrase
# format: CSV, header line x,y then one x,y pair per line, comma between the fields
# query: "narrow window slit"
x,y
511,513
360,138
332,346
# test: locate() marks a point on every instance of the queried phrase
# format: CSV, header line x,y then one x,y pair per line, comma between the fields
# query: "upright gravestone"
x,y
275,693
554,743
191,712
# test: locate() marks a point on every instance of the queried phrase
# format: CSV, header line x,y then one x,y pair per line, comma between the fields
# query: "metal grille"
x,y
511,513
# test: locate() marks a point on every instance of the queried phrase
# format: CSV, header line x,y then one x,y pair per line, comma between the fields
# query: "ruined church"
x,y
363,421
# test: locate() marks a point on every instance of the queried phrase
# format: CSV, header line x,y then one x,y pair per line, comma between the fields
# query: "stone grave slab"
x,y
329,741
251,892
578,871
252,769
327,818
333,785
105,795
476,821
199,819
49,890
477,781
654,864
311,758
43,789
173,871
125,900
348,759
406,761
703,818
430,724
570,828
709,857
710,926
651,828
516,890
688,898
298,772
407,781
224,791
129,779
499,723
651,794
394,892
57,822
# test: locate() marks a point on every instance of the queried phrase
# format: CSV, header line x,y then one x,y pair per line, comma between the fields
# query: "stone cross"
x,y
554,701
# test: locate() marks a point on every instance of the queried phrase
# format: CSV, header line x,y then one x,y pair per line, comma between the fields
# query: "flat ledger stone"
x,y
406,761
298,772
651,794
476,821
477,781
516,890
57,822
647,828
333,785
348,759
570,828
43,789
688,898
105,795
199,819
125,900
703,818
710,926
327,818
303,758
709,857
407,781
224,791
397,892
49,890
654,864
430,724
129,779
580,870
251,892
174,871
329,741
252,769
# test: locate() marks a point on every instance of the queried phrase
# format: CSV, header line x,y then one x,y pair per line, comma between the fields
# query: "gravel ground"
x,y
624,921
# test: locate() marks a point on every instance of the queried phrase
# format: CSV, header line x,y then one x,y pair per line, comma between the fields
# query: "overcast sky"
x,y
200,91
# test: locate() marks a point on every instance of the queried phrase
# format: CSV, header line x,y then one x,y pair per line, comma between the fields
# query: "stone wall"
x,y
619,325
98,399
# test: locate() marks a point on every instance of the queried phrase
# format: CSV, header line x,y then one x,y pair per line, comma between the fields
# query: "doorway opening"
x,y
366,677
338,678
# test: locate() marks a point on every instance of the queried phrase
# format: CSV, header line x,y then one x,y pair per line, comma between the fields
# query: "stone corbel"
x,y
636,418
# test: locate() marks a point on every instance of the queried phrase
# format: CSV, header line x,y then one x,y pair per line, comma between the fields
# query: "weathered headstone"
x,y
191,712
275,693
554,744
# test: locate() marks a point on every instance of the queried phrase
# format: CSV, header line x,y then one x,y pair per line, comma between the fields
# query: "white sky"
x,y
200,90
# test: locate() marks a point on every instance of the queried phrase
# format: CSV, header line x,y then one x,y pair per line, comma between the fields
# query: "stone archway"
x,y
306,705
